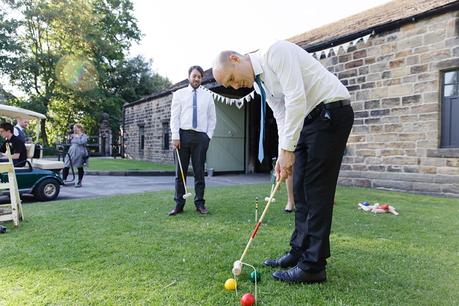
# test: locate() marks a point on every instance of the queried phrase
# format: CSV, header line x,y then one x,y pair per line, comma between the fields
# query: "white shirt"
x,y
15,131
294,83
182,111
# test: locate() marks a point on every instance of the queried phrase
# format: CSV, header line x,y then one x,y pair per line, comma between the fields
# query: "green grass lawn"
x,y
104,164
125,250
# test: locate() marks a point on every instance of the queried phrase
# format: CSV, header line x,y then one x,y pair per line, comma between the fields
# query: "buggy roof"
x,y
17,112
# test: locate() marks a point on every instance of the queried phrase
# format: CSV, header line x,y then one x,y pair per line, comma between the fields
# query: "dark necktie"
x,y
195,110
261,154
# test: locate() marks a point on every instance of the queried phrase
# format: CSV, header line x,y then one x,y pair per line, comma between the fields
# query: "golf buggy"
x,y
39,176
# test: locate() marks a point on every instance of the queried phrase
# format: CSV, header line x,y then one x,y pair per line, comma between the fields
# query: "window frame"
x,y
166,135
141,138
443,143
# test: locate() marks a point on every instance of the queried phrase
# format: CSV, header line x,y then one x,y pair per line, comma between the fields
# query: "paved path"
x,y
100,186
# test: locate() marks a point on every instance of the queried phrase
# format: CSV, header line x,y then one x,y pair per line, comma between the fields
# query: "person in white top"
x,y
314,119
193,121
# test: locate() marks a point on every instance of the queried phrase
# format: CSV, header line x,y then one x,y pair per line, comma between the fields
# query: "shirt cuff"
x,y
287,145
175,136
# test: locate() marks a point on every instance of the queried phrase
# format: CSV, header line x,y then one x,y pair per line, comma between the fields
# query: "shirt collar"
x,y
255,58
190,88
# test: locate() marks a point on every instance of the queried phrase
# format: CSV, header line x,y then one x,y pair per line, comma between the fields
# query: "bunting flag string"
x,y
318,55
229,101
326,52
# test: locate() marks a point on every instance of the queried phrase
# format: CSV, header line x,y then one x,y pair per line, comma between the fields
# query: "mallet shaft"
x,y
181,170
254,233
256,209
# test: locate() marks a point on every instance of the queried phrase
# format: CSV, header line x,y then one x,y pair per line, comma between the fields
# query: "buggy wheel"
x,y
47,190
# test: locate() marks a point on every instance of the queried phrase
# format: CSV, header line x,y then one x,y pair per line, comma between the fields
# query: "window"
x,y
450,110
166,135
141,138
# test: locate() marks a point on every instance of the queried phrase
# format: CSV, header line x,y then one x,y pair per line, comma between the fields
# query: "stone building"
x,y
400,62
146,129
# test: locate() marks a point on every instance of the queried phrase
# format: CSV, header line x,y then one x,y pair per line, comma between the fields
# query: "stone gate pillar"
x,y
105,136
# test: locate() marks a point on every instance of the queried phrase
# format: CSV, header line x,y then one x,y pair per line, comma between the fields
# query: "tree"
x,y
135,79
69,57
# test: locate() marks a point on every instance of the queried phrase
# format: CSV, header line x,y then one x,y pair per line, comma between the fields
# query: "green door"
x,y
226,149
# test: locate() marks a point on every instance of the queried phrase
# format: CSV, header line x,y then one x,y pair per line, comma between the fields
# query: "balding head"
x,y
231,69
222,63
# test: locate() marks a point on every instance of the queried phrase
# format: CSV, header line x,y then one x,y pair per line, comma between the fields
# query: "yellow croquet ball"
x,y
230,284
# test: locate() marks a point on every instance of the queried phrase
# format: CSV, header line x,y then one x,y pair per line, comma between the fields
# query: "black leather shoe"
x,y
286,261
202,210
175,211
296,275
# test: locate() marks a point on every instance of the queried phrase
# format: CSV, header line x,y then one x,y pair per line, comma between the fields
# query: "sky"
x,y
180,33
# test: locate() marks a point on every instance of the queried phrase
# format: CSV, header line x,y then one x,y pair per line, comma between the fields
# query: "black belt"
x,y
321,106
337,104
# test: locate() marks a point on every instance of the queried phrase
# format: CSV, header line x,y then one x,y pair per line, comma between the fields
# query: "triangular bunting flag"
x,y
229,101
335,50
366,37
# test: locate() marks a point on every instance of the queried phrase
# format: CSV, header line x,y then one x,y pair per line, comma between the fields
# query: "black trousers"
x,y
192,144
66,170
318,157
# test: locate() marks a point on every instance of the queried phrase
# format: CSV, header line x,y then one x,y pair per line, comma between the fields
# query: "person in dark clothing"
x,y
18,148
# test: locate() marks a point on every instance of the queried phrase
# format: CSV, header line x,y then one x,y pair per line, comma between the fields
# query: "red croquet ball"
x,y
384,206
247,299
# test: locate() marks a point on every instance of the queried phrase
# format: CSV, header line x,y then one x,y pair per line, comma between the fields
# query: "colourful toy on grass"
x,y
247,299
377,208
231,284
255,276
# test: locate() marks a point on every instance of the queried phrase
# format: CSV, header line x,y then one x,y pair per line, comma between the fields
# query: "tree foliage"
x,y
70,59
135,79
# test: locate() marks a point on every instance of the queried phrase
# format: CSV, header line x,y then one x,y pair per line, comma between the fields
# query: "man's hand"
x,y
175,144
284,165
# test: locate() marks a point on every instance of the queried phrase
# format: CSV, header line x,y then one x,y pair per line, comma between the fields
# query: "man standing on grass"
x,y
193,121
314,119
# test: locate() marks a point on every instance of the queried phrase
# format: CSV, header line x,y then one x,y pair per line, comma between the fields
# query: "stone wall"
x,y
395,82
153,116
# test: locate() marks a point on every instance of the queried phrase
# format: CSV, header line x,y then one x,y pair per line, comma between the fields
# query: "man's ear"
x,y
234,58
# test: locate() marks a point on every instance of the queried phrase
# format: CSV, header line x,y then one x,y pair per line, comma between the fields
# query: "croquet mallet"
x,y
237,266
187,194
